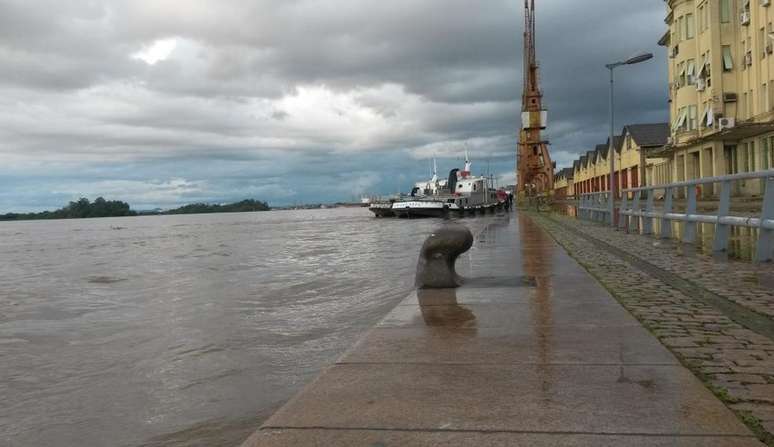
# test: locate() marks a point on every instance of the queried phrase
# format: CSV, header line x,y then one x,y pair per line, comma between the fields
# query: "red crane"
x,y
535,169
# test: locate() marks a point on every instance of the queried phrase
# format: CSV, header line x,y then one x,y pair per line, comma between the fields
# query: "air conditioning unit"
x,y
765,2
745,18
729,97
701,85
726,123
748,58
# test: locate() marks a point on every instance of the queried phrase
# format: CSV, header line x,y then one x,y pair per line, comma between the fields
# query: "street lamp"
x,y
611,150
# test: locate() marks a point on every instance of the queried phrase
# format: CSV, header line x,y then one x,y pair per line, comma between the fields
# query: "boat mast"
x,y
535,169
468,166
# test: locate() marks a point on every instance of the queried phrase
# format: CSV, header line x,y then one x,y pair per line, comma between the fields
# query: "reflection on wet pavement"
x,y
536,257
448,315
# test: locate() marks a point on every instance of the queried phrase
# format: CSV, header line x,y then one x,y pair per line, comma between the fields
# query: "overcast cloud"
x,y
165,102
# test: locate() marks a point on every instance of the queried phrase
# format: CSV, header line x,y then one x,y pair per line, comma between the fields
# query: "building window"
x,y
747,162
681,72
765,157
706,116
690,26
679,123
692,118
751,156
730,155
751,105
728,61
705,70
701,18
690,78
764,98
771,152
746,105
725,11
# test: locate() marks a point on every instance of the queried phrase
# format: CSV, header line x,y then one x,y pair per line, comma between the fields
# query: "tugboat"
x,y
461,193
421,190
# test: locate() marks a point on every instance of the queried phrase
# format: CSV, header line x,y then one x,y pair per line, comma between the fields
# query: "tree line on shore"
x,y
83,208
244,206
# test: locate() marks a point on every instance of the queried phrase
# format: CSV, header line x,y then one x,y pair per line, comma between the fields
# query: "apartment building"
x,y
721,90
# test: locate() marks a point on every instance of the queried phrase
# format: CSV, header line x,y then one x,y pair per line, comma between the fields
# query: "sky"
x,y
166,102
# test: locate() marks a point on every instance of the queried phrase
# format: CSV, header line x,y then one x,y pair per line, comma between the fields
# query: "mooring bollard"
x,y
435,269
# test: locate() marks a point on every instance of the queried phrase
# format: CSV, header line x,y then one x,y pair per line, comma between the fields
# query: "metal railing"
x,y
594,206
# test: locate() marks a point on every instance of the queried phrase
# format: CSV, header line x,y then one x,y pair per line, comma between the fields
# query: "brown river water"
x,y
184,330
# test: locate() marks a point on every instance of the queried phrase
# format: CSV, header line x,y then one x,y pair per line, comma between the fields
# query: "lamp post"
x,y
611,149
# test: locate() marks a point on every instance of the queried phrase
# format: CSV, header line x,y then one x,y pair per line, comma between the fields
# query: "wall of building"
x,y
721,65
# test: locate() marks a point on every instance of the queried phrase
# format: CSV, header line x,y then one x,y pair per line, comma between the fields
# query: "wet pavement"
x,y
714,315
530,351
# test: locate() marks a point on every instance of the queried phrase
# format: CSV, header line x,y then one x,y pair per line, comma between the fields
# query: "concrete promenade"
x,y
532,351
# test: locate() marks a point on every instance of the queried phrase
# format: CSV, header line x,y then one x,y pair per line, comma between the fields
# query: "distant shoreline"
x,y
84,209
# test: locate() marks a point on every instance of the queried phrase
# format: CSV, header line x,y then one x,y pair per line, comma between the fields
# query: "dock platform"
x,y
531,351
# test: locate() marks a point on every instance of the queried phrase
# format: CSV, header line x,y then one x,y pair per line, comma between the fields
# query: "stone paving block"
x,y
762,411
741,378
494,315
392,438
665,400
681,342
522,289
517,344
758,393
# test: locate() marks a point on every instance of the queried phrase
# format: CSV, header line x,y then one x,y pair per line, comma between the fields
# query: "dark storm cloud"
x,y
164,101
